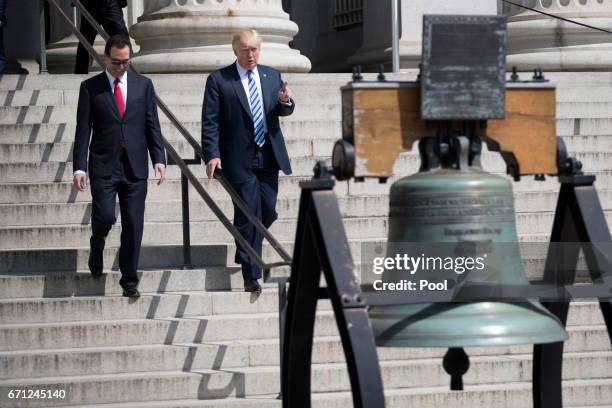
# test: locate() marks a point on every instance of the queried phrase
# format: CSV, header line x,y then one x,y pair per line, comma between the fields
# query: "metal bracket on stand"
x,y
579,218
321,246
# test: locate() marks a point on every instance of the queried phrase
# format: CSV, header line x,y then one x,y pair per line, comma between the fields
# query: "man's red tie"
x,y
119,98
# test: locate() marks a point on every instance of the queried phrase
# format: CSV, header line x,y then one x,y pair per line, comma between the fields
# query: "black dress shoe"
x,y
132,293
251,285
95,267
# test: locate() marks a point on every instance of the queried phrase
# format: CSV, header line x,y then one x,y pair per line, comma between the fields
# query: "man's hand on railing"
x,y
211,166
80,182
160,171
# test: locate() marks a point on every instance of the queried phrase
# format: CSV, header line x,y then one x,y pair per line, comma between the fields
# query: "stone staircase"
x,y
194,339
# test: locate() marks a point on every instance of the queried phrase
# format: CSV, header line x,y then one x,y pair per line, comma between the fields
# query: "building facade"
x,y
317,35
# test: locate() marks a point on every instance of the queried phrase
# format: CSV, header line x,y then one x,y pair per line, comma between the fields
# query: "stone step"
x,y
10,115
512,395
579,94
163,211
125,332
149,306
68,260
584,109
51,272
572,79
170,231
296,147
62,171
583,143
195,96
530,207
71,259
259,401
63,192
228,354
161,305
251,381
62,151
164,82
309,129
585,102
588,126
59,283
406,164
249,326
167,233
591,116
576,131
46,97
530,195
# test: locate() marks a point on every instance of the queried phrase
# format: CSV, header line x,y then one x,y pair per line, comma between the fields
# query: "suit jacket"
x,y
2,11
227,122
98,117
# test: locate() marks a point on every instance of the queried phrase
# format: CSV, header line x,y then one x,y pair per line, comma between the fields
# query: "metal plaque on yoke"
x,y
463,68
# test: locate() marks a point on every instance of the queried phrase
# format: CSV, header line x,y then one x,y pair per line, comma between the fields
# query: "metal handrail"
x,y
185,169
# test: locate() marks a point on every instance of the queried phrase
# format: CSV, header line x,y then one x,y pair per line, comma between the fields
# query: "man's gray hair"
x,y
245,34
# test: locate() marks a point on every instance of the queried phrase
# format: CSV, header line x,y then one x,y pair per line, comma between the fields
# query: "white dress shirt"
x,y
124,91
122,85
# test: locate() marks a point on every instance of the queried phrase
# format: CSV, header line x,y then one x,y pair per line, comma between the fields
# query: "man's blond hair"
x,y
245,34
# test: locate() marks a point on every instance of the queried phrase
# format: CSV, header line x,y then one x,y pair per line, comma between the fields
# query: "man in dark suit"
x,y
117,124
108,14
241,129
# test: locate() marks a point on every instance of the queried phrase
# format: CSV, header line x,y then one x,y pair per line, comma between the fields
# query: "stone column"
x,y
61,50
195,35
376,45
376,48
412,22
536,40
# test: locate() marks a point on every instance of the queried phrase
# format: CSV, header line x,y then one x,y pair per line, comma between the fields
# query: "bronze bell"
x,y
452,209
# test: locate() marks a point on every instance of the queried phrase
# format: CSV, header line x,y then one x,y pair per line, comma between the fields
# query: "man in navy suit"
x,y
241,131
117,125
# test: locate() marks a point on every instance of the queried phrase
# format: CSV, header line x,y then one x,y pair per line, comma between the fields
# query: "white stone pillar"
x,y
539,41
195,35
134,10
376,48
412,22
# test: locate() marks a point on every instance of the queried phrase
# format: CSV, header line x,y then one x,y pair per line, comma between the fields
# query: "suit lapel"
x,y
109,94
131,82
240,92
265,85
